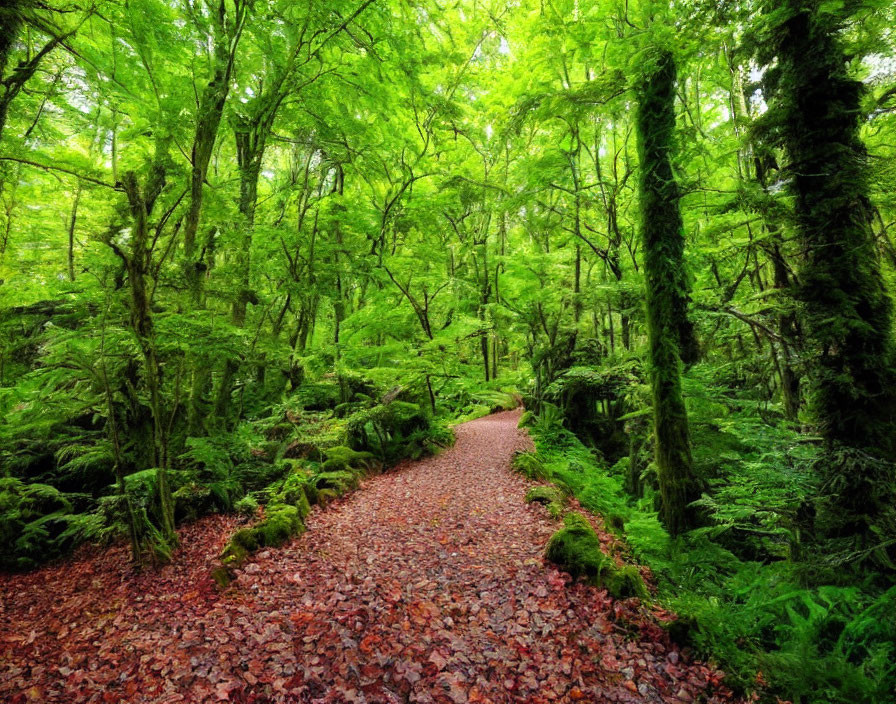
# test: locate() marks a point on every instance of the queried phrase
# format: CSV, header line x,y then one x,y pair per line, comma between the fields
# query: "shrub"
x,y
27,515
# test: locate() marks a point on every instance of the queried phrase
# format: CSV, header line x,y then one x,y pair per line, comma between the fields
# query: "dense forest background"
x,y
247,245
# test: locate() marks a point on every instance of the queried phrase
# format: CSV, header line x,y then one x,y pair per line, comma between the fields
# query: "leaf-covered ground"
x,y
426,585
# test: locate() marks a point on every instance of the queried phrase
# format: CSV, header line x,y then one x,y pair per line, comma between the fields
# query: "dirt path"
x,y
426,585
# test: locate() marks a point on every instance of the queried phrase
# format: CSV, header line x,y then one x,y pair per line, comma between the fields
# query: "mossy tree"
x,y
847,310
670,332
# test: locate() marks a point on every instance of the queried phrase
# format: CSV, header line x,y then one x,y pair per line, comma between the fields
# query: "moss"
x,y
280,524
303,505
246,506
624,582
670,332
543,494
241,543
191,501
575,548
293,493
222,576
529,465
341,482
325,496
615,523
552,497
311,493
343,458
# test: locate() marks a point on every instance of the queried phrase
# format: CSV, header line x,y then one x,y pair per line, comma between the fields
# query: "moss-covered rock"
x,y
341,481
529,465
325,496
293,492
543,494
239,547
550,496
191,501
575,548
624,582
311,493
281,522
343,458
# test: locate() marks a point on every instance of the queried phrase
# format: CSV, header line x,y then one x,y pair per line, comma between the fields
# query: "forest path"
x,y
425,585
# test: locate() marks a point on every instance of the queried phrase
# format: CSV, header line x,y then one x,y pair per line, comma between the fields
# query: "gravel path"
x,y
425,585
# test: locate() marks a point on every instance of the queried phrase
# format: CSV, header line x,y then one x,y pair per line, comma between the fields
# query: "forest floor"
x,y
426,585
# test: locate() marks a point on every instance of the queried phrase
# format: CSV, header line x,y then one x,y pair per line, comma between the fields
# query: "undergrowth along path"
x,y
425,585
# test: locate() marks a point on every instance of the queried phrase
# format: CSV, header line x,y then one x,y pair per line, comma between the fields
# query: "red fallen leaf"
x,y
436,659
369,644
456,688
223,690
356,607
630,686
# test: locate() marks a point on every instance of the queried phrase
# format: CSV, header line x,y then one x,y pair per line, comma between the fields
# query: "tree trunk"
x,y
138,265
848,312
667,323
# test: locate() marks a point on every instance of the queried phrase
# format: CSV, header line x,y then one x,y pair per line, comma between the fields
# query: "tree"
x,y
848,311
669,330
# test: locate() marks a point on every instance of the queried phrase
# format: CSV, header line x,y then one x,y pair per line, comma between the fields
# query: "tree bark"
x,y
669,330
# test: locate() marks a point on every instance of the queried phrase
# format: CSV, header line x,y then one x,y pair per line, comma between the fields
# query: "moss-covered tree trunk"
x,y
10,25
848,313
669,331
138,264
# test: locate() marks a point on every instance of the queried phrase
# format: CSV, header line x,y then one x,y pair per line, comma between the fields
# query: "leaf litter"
x,y
427,585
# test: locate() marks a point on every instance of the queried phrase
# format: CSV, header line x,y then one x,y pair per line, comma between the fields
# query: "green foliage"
x,y
812,643
451,205
393,430
497,400
598,383
28,513
828,644
549,423
527,420
319,396
246,506
192,501
344,458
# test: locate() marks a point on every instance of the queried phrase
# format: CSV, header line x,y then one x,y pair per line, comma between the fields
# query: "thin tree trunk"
x,y
668,326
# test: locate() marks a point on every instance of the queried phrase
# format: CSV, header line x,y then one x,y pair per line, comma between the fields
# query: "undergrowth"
x,y
778,627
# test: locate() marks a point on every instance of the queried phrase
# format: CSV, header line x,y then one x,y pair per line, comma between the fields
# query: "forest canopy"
x,y
246,244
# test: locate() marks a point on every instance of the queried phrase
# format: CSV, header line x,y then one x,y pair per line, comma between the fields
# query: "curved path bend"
x,y
425,585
